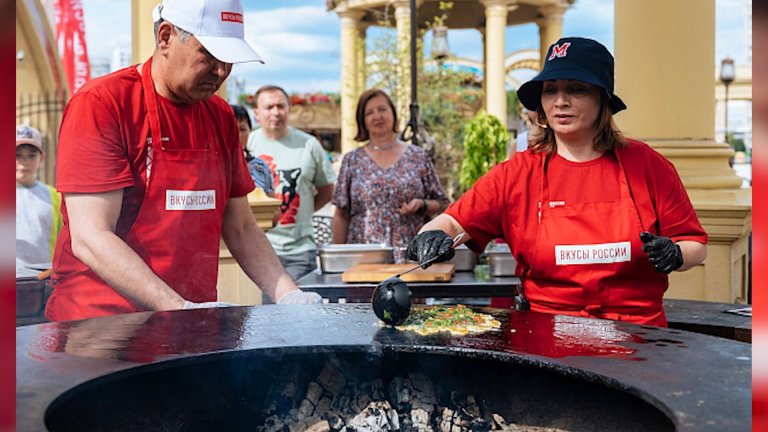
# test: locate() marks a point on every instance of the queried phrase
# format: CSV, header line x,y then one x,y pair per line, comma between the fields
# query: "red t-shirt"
x,y
504,202
102,147
584,182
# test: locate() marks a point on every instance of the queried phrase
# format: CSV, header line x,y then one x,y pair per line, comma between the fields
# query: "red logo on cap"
x,y
232,17
559,50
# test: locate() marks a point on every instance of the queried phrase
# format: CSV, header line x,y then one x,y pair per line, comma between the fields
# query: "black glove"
x,y
665,256
430,247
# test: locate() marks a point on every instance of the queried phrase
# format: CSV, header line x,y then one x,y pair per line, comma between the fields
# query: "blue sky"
x,y
299,39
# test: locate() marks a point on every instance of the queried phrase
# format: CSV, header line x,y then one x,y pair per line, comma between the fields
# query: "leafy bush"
x,y
485,145
736,143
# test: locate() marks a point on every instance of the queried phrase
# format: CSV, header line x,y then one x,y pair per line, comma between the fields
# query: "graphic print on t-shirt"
x,y
288,195
286,190
270,161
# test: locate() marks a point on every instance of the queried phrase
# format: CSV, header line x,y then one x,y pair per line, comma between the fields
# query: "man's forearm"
x,y
251,249
123,270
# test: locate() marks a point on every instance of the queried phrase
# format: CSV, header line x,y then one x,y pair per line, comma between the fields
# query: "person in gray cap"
x,y
596,221
38,216
153,176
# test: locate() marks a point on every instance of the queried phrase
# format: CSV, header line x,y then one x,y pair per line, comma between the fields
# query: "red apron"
x,y
176,231
588,260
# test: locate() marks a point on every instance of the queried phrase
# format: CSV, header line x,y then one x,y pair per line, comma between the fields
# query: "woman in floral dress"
x,y
386,188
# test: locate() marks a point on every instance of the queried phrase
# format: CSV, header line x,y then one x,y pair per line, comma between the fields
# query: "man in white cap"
x,y
153,176
38,219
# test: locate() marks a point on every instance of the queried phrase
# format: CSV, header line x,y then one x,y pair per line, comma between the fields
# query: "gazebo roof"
x,y
465,14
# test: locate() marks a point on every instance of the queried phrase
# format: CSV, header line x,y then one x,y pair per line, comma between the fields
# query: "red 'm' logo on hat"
x,y
559,50
232,17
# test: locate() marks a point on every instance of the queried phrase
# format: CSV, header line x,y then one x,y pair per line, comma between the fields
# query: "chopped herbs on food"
x,y
458,320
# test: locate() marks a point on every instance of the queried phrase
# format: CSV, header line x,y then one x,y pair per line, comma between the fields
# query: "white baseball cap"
x,y
217,24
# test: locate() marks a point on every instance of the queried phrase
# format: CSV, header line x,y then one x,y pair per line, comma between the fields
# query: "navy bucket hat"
x,y
573,58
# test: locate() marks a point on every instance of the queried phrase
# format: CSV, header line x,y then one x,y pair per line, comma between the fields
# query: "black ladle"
x,y
392,298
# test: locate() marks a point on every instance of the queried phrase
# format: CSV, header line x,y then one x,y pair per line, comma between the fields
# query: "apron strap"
x,y
625,179
150,100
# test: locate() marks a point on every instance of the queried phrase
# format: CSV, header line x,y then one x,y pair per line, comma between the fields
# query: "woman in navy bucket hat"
x,y
596,221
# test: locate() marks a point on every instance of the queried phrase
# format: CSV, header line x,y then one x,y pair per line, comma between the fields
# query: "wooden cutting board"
x,y
378,272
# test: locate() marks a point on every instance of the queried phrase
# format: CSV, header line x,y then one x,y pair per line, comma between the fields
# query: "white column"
x,y
349,90
361,53
495,25
672,109
485,67
550,28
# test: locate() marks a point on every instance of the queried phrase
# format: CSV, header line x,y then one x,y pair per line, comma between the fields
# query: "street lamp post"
x,y
727,75
413,122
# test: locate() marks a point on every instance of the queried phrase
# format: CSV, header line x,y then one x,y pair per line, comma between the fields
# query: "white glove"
x,y
300,297
214,304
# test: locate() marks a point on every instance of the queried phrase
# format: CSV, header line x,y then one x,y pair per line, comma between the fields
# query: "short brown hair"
x,y
362,131
269,87
607,138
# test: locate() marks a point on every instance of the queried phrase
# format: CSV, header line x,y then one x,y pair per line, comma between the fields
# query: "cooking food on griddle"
x,y
459,320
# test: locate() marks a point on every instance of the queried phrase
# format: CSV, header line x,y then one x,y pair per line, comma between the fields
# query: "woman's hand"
x,y
430,247
414,206
665,256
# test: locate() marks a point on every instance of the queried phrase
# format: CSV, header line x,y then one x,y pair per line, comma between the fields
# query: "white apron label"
x,y
190,200
605,253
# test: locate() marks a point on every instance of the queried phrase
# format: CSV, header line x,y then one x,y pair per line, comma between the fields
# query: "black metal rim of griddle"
x,y
64,404
666,364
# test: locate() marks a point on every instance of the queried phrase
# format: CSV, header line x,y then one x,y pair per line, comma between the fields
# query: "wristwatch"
x,y
423,208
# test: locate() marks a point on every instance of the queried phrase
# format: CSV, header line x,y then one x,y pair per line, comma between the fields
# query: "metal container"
x,y
337,258
501,261
463,258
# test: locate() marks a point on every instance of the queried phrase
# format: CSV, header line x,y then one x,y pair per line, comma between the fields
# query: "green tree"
x,y
513,104
382,65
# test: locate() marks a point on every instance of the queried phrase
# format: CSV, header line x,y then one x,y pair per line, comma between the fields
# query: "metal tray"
x,y
501,262
464,258
337,258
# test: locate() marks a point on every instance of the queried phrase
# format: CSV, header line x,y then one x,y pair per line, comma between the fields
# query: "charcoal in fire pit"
x,y
335,422
400,392
323,406
284,395
345,398
312,424
331,378
423,389
272,424
376,417
453,421
468,406
420,421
